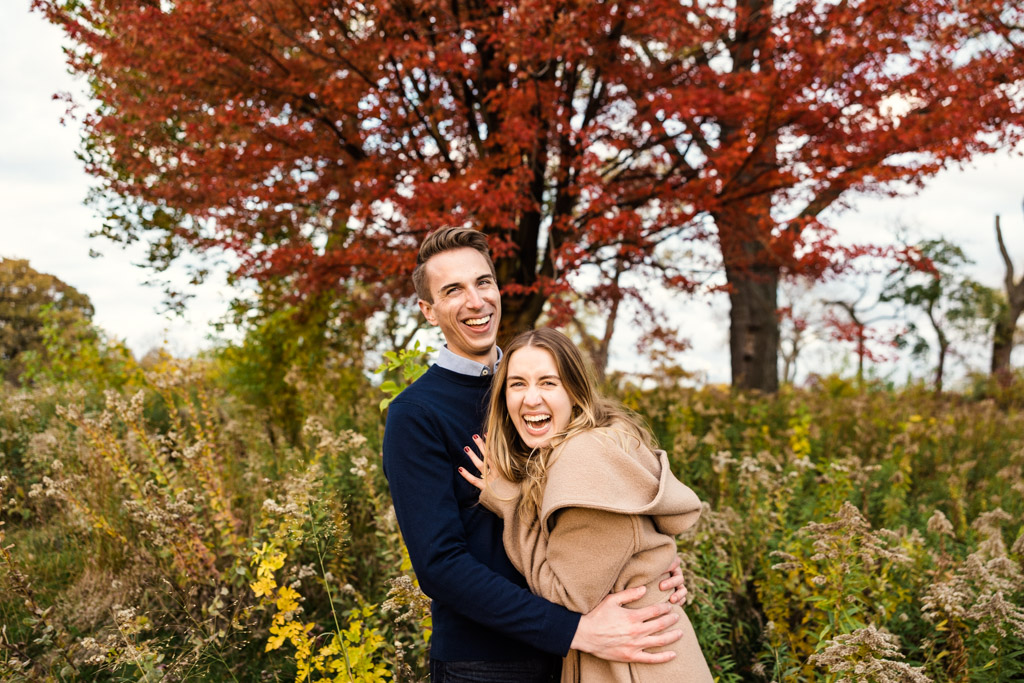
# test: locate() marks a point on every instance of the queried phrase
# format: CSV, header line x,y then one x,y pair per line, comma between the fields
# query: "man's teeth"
x,y
536,418
479,321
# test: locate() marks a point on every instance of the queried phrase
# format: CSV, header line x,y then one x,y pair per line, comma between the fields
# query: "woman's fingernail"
x,y
466,449
461,469
476,436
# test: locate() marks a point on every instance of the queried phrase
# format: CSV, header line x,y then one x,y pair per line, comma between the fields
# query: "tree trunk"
x,y
754,327
861,352
518,314
940,369
789,358
1002,345
943,340
752,273
744,218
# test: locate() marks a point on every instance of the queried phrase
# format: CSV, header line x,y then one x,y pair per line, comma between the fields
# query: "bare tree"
x,y
799,323
1006,321
857,330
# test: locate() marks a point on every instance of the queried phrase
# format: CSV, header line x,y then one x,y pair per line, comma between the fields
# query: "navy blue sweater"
x,y
481,607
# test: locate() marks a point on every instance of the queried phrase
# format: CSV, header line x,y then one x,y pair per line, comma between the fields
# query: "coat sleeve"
x,y
577,565
423,491
500,496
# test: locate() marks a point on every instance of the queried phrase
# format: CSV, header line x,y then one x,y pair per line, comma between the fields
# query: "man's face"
x,y
467,304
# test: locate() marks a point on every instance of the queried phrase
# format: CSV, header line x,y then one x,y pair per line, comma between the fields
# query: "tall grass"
x,y
166,531
159,534
852,535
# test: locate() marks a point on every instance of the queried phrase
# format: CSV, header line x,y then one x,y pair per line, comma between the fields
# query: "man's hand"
x,y
619,634
674,582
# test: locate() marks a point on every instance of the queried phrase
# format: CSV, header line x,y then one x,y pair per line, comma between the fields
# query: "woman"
x,y
589,506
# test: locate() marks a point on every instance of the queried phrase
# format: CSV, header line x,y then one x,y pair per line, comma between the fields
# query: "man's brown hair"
x,y
440,241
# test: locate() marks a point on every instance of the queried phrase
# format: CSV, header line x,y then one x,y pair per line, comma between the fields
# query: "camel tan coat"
x,y
610,510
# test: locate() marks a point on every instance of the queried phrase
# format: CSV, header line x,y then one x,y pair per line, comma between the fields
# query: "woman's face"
x,y
537,400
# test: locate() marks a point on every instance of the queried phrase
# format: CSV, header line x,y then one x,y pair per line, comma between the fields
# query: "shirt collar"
x,y
464,366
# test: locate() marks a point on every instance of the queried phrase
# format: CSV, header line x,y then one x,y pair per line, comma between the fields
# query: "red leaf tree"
x,y
319,140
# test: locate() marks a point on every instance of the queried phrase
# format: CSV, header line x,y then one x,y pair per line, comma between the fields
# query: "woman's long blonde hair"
x,y
514,459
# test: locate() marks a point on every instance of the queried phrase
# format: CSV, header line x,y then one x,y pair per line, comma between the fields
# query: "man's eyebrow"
x,y
482,276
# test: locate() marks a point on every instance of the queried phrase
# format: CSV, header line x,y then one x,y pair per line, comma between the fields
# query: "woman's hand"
x,y
479,461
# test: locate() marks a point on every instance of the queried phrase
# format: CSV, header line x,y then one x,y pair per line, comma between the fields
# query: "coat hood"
x,y
610,469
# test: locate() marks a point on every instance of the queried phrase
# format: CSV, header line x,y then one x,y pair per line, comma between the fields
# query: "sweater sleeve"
x,y
421,478
578,564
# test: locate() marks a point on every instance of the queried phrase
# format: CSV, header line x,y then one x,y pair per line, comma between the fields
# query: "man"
x,y
487,626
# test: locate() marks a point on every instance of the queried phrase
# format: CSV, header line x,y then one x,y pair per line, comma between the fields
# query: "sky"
x,y
43,187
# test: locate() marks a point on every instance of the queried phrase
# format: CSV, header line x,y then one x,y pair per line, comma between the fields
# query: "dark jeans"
x,y
530,671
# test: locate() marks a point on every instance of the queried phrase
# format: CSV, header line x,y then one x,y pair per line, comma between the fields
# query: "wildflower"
x,y
263,586
359,466
749,465
1018,546
287,600
994,613
406,600
721,460
790,561
948,598
939,524
867,654
802,464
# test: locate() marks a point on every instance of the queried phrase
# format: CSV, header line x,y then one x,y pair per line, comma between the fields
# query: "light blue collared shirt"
x,y
464,366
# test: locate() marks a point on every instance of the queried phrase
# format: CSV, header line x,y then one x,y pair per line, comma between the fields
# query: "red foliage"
x,y
321,139
870,343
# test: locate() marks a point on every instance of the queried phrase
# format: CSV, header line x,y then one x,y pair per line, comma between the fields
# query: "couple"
x,y
584,506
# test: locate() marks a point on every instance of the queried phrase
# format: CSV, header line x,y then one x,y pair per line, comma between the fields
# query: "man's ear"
x,y
428,311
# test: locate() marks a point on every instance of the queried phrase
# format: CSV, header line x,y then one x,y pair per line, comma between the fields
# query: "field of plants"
x,y
162,524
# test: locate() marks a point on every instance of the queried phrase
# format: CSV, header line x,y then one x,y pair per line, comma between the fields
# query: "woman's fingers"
x,y
481,444
472,478
476,460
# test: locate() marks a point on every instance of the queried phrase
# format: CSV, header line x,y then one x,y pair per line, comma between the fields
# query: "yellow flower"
x,y
270,559
263,586
287,599
281,633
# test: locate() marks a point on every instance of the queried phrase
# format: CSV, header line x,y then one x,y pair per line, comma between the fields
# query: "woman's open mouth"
x,y
537,423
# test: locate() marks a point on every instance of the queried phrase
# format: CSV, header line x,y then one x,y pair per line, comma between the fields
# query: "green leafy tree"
x,y
35,308
954,305
297,358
